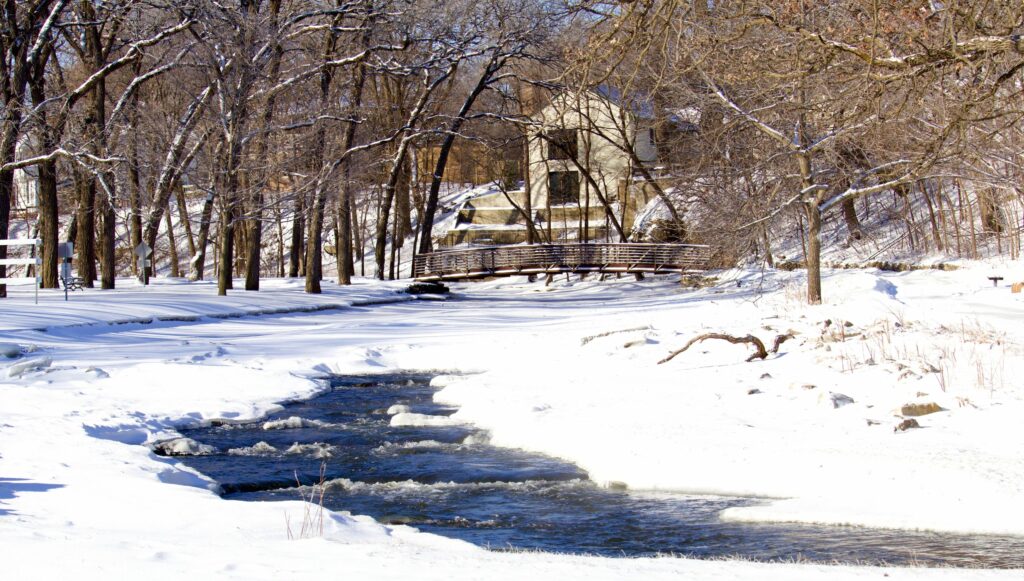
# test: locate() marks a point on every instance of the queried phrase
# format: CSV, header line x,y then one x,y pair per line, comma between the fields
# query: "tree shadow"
x,y
12,487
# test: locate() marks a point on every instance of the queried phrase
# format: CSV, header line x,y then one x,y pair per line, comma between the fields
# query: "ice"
x,y
257,449
29,365
411,419
294,423
317,450
398,409
10,350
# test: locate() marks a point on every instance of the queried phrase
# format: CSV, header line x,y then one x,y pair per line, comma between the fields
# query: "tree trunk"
x,y
108,234
86,242
227,247
295,253
852,222
202,240
172,245
813,257
183,217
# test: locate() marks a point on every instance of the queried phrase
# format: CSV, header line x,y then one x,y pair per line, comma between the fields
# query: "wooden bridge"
x,y
491,261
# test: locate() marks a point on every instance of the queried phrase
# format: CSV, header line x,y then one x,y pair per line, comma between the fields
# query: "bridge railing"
x,y
553,258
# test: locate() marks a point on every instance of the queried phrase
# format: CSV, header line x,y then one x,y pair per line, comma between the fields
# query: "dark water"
x,y
447,480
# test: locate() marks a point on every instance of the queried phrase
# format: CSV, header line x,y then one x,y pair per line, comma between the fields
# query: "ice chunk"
x,y
317,450
257,449
22,367
408,419
398,409
294,423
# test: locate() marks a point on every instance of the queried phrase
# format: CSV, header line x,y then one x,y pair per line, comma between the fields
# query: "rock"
x,y
753,392
809,386
616,485
182,447
766,376
920,409
906,425
837,400
873,422
427,288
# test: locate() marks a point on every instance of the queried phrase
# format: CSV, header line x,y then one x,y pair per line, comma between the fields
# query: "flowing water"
x,y
446,479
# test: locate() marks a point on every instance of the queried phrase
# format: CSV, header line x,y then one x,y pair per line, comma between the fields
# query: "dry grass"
x,y
313,508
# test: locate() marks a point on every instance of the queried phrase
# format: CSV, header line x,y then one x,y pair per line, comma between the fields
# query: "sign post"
x,y
65,251
143,251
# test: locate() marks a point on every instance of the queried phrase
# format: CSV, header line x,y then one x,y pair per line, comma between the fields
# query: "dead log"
x,y
759,350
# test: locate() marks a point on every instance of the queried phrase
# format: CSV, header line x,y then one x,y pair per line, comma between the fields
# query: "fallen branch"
x,y
586,340
759,350
779,340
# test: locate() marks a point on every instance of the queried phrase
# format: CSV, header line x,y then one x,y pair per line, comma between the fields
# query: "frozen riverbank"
x,y
74,497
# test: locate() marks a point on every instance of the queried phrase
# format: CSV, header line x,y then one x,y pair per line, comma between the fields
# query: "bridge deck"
x,y
556,258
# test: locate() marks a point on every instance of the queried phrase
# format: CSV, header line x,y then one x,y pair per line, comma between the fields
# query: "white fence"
x,y
9,262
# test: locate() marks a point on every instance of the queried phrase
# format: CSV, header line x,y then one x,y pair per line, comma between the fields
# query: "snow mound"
x,y
409,419
10,350
183,447
398,409
443,380
258,449
318,450
294,423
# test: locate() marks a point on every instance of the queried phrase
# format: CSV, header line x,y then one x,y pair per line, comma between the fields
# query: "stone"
x,y
182,447
753,391
616,485
906,425
766,376
920,409
427,288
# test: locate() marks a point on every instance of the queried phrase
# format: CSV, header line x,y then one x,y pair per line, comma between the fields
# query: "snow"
x,y
570,369
411,419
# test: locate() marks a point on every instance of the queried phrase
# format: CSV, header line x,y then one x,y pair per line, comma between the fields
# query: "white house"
x,y
583,154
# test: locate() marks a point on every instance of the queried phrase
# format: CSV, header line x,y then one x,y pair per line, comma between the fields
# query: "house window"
x,y
563,188
562,144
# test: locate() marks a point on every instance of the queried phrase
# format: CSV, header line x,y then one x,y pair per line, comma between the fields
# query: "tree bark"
x,y
254,240
295,253
172,244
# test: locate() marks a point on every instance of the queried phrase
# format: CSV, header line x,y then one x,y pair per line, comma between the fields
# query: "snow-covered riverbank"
x,y
569,369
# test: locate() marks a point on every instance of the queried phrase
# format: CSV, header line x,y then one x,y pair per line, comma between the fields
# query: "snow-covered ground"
x,y
570,369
